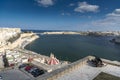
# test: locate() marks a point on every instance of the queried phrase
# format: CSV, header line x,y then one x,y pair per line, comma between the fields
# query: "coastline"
x,y
54,72
16,54
21,42
89,33
28,37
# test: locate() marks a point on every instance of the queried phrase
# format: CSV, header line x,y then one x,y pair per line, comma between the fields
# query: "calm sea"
x,y
74,47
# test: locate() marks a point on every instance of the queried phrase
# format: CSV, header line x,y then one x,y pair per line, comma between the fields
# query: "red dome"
x,y
53,60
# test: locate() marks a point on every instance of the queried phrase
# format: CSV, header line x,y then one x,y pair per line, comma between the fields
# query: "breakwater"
x,y
90,33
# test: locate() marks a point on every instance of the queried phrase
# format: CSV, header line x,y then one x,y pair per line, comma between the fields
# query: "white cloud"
x,y
63,14
115,13
67,14
71,4
111,19
111,22
107,22
45,3
85,7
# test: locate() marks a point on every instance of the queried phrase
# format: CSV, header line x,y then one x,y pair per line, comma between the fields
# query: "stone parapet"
x,y
70,67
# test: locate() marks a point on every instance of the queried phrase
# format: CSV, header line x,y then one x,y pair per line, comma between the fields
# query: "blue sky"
x,y
80,15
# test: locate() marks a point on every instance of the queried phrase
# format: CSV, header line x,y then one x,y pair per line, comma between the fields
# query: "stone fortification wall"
x,y
59,72
75,65
8,35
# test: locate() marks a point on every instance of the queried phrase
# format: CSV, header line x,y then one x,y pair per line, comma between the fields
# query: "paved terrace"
x,y
81,70
87,72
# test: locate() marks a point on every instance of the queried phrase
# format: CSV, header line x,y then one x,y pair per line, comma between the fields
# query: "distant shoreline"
x,y
90,33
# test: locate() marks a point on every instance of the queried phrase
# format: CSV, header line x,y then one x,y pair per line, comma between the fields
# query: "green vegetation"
x,y
105,76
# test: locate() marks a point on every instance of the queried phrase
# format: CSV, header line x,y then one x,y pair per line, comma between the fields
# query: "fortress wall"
x,y
59,72
75,65
8,32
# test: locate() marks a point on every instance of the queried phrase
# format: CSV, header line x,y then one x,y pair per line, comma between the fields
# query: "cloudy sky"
x,y
80,15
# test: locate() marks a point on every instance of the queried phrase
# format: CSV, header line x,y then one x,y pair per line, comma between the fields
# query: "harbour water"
x,y
74,47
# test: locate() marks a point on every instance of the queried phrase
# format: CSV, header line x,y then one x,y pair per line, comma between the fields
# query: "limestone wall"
x,y
59,72
75,65
13,37
8,33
